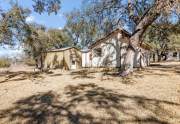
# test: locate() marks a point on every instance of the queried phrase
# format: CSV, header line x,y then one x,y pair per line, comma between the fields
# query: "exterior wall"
x,y
142,58
170,56
62,59
77,56
113,54
86,59
178,56
52,59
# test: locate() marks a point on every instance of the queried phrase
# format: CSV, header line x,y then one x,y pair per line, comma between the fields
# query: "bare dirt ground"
x,y
150,96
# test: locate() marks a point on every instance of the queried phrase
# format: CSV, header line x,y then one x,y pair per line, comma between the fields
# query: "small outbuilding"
x,y
66,58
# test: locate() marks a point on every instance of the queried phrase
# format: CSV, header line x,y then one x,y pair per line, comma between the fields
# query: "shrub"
x,y
4,63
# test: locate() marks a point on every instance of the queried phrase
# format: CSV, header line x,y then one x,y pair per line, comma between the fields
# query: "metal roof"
x,y
61,49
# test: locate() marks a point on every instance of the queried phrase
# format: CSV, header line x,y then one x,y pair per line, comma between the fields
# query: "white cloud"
x,y
61,15
30,19
60,28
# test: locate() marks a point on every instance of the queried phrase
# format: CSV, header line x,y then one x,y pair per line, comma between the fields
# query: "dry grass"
x,y
150,96
4,63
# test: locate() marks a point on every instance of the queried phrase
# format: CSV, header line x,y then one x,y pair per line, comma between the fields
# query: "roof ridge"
x,y
109,34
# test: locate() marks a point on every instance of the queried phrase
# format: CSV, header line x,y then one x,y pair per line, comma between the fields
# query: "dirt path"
x,y
151,96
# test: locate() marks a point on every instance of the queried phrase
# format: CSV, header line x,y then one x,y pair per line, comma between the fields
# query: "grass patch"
x,y
4,63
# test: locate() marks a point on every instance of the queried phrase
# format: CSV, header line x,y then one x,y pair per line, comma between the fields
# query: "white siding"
x,y
171,57
113,54
86,59
141,57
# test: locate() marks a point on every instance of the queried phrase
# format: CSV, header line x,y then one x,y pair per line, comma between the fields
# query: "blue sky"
x,y
50,21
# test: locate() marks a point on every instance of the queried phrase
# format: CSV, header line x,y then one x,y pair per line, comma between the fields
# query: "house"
x,y
65,58
110,51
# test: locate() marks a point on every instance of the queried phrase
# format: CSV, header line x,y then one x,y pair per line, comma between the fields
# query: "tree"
x,y
12,25
175,36
59,38
150,14
38,40
158,37
80,29
13,22
163,36
49,6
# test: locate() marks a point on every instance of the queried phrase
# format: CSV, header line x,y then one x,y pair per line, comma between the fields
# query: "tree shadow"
x,y
89,104
56,75
82,74
157,70
166,68
19,76
124,80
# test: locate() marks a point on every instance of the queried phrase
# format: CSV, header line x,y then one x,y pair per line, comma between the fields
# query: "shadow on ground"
x,y
24,75
85,73
89,104
171,68
19,76
158,70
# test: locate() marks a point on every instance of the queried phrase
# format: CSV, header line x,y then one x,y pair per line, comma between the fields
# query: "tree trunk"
x,y
159,55
129,60
134,42
154,57
41,60
165,57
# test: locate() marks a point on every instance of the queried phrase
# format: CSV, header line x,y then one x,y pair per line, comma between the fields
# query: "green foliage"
x,y
157,36
49,6
12,25
58,38
4,63
103,16
175,41
175,36
35,40
163,36
39,40
78,26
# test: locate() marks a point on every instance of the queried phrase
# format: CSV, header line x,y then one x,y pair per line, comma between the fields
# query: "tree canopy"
x,y
13,24
103,16
39,39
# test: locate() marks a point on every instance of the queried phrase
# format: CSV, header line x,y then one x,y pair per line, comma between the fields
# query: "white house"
x,y
110,51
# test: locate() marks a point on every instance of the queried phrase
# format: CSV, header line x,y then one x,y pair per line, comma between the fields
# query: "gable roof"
x,y
62,49
118,30
126,35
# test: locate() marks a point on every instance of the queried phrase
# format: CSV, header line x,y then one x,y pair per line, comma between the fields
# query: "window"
x,y
174,54
73,62
98,52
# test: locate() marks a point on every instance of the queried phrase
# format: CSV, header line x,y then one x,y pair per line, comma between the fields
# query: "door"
x,y
73,64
